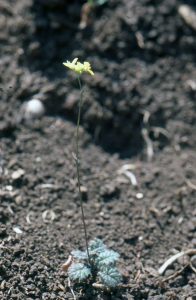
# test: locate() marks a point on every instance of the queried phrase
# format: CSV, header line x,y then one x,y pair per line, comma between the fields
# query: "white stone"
x,y
18,173
33,109
17,230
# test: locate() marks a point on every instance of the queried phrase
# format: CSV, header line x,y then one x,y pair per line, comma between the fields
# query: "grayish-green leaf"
x,y
110,276
79,254
96,246
107,256
78,271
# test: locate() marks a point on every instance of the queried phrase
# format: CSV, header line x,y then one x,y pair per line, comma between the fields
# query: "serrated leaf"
x,y
78,271
110,276
79,254
96,246
107,256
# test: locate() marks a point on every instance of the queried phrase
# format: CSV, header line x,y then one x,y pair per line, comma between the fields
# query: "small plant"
x,y
96,258
79,69
100,264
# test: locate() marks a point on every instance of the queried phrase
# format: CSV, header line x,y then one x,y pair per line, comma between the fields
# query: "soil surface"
x,y
139,110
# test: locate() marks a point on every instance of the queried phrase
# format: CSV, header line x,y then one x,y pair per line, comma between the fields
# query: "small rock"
x,y
139,195
17,174
17,230
83,189
9,188
32,109
188,14
18,200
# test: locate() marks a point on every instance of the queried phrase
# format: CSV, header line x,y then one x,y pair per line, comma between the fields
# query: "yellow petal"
x,y
86,64
91,72
79,67
74,61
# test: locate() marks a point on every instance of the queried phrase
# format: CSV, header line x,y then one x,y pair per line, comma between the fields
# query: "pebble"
x,y
83,189
17,230
139,195
188,14
18,173
32,109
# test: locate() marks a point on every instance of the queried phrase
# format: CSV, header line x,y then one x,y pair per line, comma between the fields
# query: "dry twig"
x,y
69,285
174,258
150,151
177,273
190,184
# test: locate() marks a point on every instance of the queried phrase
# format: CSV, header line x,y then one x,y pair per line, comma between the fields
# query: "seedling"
x,y
97,258
102,263
79,69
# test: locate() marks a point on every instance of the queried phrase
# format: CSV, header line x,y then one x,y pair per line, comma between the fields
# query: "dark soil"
x,y
143,56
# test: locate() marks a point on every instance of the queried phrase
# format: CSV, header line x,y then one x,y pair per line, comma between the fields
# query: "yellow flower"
x,y
79,68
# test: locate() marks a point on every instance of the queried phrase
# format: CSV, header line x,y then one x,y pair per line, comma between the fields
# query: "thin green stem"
x,y
78,172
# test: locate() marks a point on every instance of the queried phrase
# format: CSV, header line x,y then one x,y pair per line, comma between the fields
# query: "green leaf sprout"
x,y
101,257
